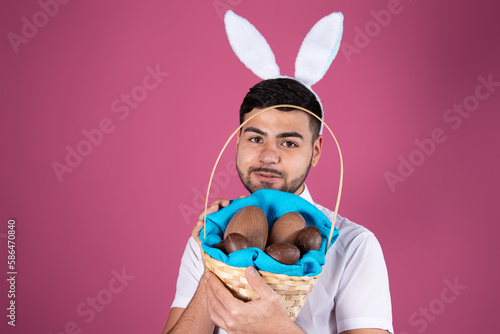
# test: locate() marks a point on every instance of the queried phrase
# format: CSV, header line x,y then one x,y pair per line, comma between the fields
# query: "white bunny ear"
x,y
318,49
250,46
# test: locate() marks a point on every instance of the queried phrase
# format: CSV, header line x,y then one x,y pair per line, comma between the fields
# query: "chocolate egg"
x,y
221,246
235,241
285,253
251,222
308,239
286,228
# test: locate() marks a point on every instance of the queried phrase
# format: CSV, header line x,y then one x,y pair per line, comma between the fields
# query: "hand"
x,y
214,207
267,314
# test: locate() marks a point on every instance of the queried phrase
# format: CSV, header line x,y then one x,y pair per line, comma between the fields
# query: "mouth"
x,y
267,177
270,176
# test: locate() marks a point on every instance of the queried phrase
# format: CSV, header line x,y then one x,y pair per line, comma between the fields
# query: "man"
x,y
275,150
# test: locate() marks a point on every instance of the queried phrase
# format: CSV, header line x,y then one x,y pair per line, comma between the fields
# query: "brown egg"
x,y
221,246
308,239
251,222
285,253
235,241
286,228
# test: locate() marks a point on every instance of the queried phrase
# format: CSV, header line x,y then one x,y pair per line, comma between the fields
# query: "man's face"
x,y
275,151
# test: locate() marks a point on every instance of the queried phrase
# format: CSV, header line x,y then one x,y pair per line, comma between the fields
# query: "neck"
x,y
300,190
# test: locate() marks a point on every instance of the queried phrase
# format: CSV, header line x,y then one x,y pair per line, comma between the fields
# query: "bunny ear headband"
x,y
316,53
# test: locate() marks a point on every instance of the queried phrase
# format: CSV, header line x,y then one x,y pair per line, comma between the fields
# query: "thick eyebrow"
x,y
281,135
290,134
256,130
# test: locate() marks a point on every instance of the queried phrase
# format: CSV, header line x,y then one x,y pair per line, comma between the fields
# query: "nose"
x,y
269,154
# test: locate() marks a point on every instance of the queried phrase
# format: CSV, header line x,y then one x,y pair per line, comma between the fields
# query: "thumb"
x,y
196,231
258,284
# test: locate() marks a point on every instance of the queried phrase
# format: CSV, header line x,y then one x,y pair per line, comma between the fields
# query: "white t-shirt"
x,y
352,292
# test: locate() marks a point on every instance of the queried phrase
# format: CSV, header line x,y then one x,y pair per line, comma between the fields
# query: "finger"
x,y
258,284
197,228
221,292
214,316
242,196
214,207
196,231
231,312
215,308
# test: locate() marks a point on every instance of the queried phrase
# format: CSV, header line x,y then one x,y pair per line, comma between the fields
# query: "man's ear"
x,y
317,147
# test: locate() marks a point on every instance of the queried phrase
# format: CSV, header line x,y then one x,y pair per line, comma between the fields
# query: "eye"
x,y
256,140
289,144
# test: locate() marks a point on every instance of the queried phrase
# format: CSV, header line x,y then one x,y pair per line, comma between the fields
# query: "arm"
x,y
364,289
193,319
267,314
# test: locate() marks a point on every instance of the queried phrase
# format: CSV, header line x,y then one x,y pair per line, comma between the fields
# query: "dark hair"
x,y
272,92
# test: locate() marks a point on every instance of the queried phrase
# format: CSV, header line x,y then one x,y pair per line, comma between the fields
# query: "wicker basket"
x,y
293,290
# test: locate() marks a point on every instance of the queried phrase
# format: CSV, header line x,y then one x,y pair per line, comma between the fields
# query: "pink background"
x,y
121,207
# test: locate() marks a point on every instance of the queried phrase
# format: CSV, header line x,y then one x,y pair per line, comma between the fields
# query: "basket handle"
x,y
337,203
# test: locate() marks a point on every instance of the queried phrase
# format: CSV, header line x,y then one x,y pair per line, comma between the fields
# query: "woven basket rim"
x,y
262,272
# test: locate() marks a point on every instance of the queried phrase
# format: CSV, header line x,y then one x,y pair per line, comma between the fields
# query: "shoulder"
x,y
343,224
351,234
192,256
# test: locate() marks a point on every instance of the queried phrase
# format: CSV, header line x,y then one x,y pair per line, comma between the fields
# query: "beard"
x,y
290,186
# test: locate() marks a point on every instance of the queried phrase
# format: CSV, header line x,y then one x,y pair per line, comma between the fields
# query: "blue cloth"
x,y
274,203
